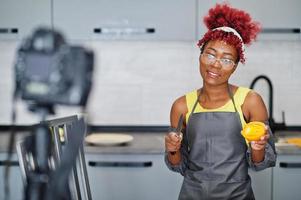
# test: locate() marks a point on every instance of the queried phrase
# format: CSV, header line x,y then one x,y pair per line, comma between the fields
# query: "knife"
x,y
178,130
179,126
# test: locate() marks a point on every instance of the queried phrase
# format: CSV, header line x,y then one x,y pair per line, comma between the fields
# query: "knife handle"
x,y
181,136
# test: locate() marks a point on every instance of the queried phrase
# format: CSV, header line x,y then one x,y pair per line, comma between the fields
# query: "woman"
x,y
212,155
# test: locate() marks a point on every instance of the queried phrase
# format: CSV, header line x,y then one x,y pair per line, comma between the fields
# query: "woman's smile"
x,y
212,74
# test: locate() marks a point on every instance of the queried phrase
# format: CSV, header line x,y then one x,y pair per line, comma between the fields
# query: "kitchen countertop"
x,y
151,143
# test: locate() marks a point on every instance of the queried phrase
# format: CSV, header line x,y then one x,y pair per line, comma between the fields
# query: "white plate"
x,y
108,139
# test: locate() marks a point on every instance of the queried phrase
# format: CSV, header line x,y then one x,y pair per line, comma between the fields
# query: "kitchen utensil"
x,y
178,130
179,126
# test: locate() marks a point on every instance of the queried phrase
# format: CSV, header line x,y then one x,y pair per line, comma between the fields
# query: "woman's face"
x,y
217,62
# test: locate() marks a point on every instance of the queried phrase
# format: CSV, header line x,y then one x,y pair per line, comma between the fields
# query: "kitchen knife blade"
x,y
180,124
178,130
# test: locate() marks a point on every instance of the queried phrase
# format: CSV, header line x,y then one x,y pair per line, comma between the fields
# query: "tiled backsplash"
x,y
136,82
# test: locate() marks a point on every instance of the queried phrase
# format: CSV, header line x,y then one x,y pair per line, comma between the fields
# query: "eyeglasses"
x,y
210,59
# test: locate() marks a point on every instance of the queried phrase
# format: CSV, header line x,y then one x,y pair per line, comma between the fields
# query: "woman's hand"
x,y
260,144
173,142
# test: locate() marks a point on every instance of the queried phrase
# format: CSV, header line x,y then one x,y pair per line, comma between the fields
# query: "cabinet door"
x,y
15,179
287,178
131,177
279,19
19,18
126,19
262,184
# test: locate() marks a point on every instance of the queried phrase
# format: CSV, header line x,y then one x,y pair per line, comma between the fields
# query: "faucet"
x,y
273,125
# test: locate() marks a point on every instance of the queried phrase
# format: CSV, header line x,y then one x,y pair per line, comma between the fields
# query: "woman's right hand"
x,y
173,142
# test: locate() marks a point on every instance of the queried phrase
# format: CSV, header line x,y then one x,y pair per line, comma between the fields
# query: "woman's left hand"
x,y
260,144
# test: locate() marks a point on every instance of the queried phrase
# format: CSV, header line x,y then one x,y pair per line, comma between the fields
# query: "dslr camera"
x,y
48,71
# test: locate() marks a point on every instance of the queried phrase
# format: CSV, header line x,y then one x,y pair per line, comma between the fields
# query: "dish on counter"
x,y
295,141
289,141
108,139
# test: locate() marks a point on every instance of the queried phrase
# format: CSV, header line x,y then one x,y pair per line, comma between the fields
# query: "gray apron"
x,y
217,167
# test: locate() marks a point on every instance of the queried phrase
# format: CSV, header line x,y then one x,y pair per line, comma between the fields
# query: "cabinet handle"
x,y
290,165
10,163
124,31
120,164
9,30
281,30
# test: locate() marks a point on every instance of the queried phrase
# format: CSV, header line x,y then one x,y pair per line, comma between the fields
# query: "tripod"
x,y
44,180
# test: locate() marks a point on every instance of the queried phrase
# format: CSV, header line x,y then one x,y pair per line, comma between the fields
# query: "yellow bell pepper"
x,y
253,131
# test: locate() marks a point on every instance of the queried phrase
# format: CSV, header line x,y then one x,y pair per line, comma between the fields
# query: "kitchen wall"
x,y
136,82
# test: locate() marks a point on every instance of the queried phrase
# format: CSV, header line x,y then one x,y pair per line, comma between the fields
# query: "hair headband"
x,y
231,30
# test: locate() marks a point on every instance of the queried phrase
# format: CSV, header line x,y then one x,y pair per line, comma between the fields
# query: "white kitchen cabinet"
x,y
126,19
15,179
131,177
287,178
19,18
145,176
262,183
280,18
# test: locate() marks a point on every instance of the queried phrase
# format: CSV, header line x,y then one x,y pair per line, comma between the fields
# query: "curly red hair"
x,y
224,15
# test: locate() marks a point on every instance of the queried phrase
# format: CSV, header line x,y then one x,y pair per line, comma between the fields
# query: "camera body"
x,y
48,71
